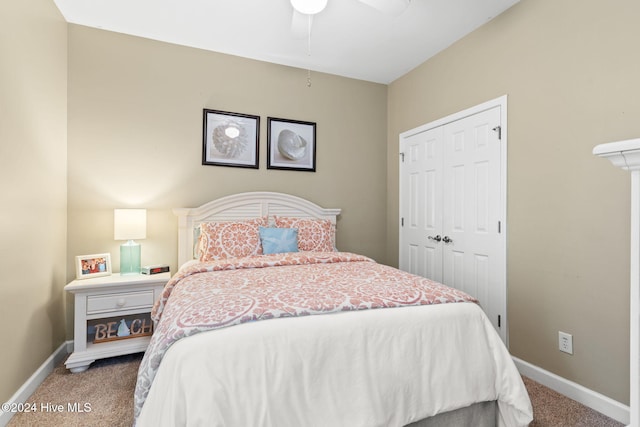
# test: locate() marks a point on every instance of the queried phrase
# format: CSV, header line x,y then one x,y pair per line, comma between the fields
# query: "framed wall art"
x,y
291,144
230,139
95,265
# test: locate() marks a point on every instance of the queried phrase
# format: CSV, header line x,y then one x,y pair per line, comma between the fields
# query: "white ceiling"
x,y
348,38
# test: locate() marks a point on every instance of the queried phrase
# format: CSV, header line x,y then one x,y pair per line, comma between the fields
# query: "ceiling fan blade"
x,y
300,25
391,7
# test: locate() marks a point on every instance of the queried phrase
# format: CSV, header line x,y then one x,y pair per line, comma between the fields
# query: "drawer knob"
x,y
121,302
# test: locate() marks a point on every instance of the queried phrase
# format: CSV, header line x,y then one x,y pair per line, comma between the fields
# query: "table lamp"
x,y
129,224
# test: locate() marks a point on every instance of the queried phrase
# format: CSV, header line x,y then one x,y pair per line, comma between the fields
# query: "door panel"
x,y
421,181
471,211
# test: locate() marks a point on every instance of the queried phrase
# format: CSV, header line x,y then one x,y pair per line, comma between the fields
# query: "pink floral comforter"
x,y
208,296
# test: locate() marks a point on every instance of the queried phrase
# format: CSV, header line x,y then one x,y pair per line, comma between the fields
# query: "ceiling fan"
x,y
303,11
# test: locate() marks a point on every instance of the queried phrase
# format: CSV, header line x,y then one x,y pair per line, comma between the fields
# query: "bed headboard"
x,y
243,206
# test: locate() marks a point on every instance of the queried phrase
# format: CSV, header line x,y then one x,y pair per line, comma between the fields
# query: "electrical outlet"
x,y
565,342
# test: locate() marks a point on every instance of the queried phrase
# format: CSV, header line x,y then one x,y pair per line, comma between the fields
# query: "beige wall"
x,y
33,98
135,140
570,70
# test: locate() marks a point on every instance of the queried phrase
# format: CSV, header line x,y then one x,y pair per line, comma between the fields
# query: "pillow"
x,y
316,235
278,240
233,239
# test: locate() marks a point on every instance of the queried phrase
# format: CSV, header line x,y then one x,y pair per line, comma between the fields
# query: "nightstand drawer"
x,y
120,301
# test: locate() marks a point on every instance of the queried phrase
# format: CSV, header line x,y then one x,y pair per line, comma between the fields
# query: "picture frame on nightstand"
x,y
94,265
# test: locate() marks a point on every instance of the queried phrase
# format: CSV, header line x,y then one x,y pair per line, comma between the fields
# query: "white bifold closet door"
x,y
450,193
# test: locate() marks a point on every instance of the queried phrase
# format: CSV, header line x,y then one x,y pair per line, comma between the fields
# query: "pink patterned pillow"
x,y
232,239
314,235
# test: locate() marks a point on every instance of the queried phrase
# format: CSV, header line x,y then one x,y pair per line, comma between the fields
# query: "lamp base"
x,y
130,258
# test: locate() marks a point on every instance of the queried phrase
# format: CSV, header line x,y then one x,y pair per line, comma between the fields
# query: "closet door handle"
x,y
437,238
447,239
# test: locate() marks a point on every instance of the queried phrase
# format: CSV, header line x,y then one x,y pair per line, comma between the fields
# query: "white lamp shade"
x,y
129,224
309,7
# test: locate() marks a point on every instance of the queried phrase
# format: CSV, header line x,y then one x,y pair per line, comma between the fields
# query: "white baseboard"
x,y
594,400
36,379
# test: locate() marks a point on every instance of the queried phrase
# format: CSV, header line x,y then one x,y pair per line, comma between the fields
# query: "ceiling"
x,y
348,38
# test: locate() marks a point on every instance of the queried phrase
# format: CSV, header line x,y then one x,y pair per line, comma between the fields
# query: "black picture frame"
x,y
291,144
230,139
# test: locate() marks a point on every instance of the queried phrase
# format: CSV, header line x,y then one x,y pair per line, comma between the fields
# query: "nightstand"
x,y
103,306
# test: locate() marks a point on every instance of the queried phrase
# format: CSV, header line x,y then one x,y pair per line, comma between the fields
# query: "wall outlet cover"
x,y
565,342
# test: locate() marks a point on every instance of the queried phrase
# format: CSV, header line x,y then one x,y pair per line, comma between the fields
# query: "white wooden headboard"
x,y
243,206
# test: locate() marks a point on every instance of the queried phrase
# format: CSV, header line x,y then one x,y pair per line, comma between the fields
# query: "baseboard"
x,y
594,400
36,379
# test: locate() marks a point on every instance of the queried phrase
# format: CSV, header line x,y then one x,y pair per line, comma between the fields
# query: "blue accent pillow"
x,y
278,240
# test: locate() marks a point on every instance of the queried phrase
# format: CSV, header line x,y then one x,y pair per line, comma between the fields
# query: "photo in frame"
x,y
230,139
95,265
291,144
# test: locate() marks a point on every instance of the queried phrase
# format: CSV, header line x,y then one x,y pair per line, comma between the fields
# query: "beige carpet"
x,y
552,409
107,387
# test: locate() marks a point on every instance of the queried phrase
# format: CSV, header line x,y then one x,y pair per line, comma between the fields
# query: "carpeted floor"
x,y
107,387
551,409
104,394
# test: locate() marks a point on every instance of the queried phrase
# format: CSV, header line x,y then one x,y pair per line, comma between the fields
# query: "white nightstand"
x,y
105,300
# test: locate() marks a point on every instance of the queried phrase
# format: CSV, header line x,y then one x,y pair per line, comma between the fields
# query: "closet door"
x,y
421,182
472,244
451,206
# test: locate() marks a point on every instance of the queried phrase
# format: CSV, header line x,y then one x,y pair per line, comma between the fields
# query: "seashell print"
x,y
230,139
291,145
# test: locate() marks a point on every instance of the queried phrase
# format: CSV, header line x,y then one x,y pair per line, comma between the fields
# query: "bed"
x,y
266,323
